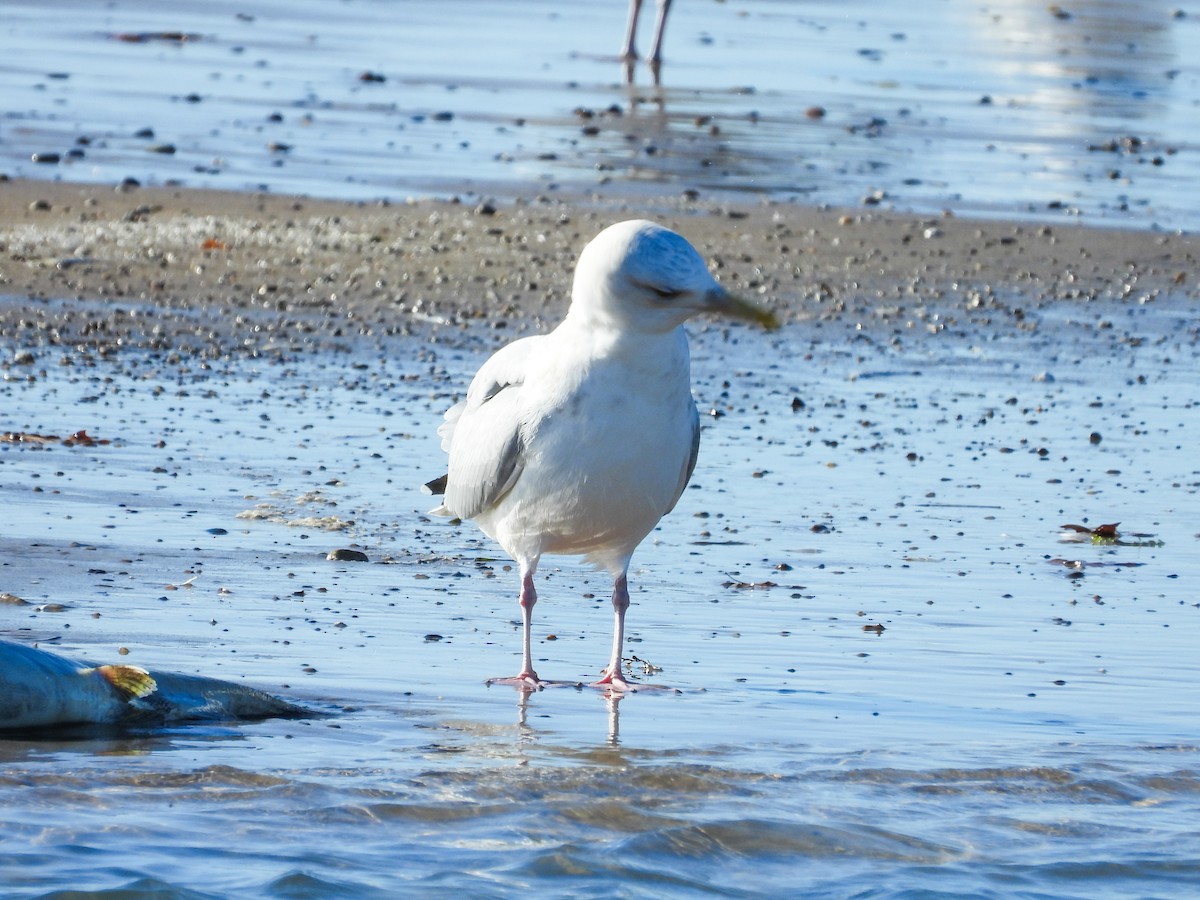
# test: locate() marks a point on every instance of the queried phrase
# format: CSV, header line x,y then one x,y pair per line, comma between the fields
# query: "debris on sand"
x,y
78,439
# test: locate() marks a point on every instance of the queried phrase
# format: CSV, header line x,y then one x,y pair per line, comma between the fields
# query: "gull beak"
x,y
722,303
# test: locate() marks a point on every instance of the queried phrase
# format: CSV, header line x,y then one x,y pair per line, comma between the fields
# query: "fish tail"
x,y
130,682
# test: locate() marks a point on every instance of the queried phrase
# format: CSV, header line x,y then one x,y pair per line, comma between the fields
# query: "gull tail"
x,y
437,487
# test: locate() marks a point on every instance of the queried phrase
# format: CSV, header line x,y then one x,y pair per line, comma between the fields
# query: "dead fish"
x,y
39,689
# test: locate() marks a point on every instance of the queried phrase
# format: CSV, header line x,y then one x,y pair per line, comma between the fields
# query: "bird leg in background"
x,y
629,49
620,599
660,29
629,52
660,26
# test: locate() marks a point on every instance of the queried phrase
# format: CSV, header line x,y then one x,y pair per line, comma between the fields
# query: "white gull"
x,y
580,440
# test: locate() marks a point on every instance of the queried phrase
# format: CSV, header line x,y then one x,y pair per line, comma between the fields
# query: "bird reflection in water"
x,y
612,701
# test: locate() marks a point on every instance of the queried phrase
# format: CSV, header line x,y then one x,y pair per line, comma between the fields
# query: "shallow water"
x,y
1004,108
923,701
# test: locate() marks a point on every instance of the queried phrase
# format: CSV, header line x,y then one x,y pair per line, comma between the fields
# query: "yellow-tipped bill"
x,y
723,303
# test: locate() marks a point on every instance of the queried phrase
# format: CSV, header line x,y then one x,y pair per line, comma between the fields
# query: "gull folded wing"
x,y
482,434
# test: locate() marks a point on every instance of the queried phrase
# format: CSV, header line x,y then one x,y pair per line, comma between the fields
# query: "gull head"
x,y
638,275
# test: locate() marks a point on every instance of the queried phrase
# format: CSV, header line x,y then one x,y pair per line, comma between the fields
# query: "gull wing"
x,y
482,433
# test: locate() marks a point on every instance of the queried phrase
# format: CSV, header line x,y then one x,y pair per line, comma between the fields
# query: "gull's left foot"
x,y
615,681
526,681
531,682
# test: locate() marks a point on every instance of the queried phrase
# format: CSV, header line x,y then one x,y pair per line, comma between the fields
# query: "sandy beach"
x,y
230,273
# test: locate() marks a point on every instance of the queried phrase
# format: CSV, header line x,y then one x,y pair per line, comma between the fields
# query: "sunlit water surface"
x,y
892,677
1011,107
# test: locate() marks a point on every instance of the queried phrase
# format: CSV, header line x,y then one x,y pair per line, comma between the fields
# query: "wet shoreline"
x,y
1012,110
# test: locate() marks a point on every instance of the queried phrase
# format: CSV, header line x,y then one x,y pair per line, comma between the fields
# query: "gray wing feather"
x,y
483,434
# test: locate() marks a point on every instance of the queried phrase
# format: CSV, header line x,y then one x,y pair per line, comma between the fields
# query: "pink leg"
x,y
528,601
628,52
527,678
660,28
620,599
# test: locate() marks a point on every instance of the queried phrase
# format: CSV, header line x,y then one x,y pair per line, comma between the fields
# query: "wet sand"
x,y
244,274
892,669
